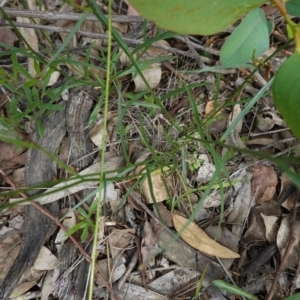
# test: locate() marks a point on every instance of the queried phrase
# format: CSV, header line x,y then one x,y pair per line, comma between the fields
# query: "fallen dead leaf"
x,y
271,227
31,38
197,238
283,237
152,76
149,244
243,201
158,187
212,107
7,36
267,118
117,270
263,183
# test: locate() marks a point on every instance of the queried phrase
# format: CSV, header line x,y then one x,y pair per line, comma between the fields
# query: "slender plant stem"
x,y
294,27
102,179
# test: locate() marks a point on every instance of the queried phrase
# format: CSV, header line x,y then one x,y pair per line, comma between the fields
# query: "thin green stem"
x,y
294,27
103,147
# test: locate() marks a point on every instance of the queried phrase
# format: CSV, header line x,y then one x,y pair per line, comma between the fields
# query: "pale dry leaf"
x,y
9,151
234,138
121,27
61,237
263,183
18,177
131,11
25,286
177,251
225,237
197,238
243,201
149,244
119,241
64,188
282,241
256,228
164,213
45,260
213,107
206,172
158,187
7,36
10,245
152,76
16,222
118,269
54,77
271,227
132,291
260,141
267,118
96,133
30,37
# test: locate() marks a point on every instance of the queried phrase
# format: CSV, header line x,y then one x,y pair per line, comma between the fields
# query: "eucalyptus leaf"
x,y
249,40
194,16
286,91
293,7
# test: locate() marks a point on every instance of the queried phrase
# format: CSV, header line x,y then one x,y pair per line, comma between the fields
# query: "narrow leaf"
x,y
194,17
286,91
197,238
249,40
223,285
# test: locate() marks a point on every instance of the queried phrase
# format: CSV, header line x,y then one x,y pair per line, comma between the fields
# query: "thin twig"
x,y
93,35
54,16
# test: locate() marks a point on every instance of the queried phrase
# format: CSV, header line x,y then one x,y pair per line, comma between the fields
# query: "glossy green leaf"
x,y
223,285
194,16
249,40
293,7
286,92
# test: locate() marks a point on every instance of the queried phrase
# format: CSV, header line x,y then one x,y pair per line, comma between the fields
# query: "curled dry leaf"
x,y
197,238
267,118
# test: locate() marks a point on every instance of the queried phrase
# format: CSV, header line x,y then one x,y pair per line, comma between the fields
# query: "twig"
x,y
97,36
131,265
54,16
56,221
287,250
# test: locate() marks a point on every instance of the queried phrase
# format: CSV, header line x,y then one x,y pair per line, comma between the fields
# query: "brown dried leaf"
x,y
263,183
197,238
7,36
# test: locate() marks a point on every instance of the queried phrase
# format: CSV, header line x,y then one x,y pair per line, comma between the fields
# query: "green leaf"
x,y
223,285
194,16
249,40
286,91
293,7
294,297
